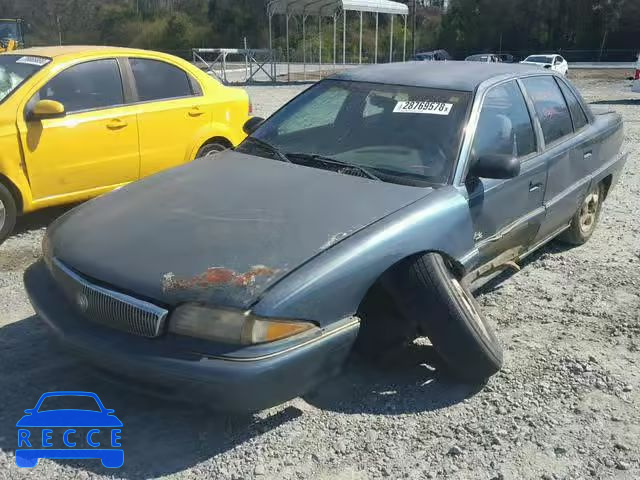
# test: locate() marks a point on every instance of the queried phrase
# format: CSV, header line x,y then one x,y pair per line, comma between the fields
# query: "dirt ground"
x,y
564,407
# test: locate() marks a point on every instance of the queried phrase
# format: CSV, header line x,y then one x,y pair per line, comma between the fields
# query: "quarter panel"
x,y
332,285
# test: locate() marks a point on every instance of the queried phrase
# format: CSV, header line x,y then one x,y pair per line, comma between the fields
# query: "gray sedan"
x,y
358,216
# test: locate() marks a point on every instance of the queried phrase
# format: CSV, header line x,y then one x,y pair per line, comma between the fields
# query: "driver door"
x,y
94,146
506,213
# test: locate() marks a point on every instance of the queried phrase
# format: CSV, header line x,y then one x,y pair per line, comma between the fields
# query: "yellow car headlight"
x,y
232,326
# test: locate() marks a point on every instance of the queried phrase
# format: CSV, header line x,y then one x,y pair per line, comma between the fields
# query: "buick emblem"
x,y
82,301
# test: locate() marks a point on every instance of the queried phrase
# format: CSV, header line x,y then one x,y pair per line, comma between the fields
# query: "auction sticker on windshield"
x,y
432,108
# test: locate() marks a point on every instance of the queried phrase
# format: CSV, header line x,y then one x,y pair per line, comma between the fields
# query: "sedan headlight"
x,y
232,326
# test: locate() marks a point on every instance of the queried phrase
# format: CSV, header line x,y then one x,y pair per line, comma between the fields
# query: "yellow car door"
x,y
93,147
171,112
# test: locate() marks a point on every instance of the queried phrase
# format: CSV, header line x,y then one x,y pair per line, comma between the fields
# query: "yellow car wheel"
x,y
211,149
8,213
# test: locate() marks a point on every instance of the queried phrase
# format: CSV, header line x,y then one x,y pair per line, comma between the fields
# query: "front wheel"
x,y
432,296
584,222
8,213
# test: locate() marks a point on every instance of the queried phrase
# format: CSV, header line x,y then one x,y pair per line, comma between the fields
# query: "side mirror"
x,y
29,411
547,66
496,166
252,125
44,109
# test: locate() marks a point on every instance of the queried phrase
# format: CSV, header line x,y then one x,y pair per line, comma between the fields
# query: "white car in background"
x,y
636,77
554,62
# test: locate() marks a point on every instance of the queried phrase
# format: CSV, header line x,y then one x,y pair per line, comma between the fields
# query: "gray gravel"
x,y
565,406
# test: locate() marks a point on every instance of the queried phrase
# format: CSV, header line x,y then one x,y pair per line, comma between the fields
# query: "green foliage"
x,y
468,26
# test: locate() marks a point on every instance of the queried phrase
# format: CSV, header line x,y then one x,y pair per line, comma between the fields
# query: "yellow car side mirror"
x,y
47,109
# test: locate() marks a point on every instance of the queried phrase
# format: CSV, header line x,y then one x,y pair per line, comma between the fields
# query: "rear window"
x,y
157,80
550,106
577,113
15,70
539,59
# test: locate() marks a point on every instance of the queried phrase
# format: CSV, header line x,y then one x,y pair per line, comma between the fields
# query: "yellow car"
x,y
76,122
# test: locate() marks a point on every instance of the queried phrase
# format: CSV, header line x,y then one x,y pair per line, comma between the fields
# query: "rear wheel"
x,y
584,222
431,295
211,149
8,213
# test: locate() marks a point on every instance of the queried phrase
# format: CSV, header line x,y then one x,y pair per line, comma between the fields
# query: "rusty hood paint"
x,y
220,230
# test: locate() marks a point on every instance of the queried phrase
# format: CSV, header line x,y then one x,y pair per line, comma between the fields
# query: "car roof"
x,y
451,75
78,50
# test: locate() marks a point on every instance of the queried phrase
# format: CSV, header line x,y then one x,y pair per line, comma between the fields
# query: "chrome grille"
x,y
107,307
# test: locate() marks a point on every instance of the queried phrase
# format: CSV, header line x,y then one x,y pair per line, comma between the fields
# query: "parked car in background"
x,y
506,58
76,122
357,215
553,62
435,55
636,77
483,57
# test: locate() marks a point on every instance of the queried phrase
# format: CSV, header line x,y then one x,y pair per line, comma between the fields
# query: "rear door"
x,y
568,149
506,213
171,109
94,147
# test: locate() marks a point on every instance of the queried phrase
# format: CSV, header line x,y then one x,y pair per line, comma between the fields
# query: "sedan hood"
x,y
219,230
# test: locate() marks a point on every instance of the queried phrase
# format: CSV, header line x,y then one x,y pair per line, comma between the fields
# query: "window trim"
x,y
76,112
564,138
135,100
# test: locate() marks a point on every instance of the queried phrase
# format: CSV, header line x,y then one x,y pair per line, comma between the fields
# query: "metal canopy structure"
x,y
333,9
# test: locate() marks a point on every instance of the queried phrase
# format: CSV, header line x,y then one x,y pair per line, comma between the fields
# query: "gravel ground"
x,y
565,406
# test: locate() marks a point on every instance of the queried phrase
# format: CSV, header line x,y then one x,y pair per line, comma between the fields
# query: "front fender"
x,y
332,285
12,166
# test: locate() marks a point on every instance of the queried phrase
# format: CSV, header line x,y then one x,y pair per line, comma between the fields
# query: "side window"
x,y
504,126
319,112
550,107
157,80
577,114
559,59
86,86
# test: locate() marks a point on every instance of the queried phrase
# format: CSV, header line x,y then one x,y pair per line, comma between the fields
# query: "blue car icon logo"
x,y
90,432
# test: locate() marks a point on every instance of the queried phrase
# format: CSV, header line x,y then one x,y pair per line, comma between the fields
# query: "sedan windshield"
x,y
9,30
393,133
15,69
539,59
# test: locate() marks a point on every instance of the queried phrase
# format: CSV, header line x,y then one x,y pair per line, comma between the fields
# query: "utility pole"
x,y
59,29
413,28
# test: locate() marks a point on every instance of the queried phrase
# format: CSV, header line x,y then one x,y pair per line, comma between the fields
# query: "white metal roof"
x,y
330,7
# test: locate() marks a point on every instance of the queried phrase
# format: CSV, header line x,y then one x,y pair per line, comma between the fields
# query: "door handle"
x,y
116,124
195,112
534,186
588,155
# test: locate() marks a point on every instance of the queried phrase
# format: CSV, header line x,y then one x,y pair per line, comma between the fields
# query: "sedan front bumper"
x,y
163,366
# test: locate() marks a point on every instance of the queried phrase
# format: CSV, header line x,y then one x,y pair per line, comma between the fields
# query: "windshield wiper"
x,y
334,161
282,156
